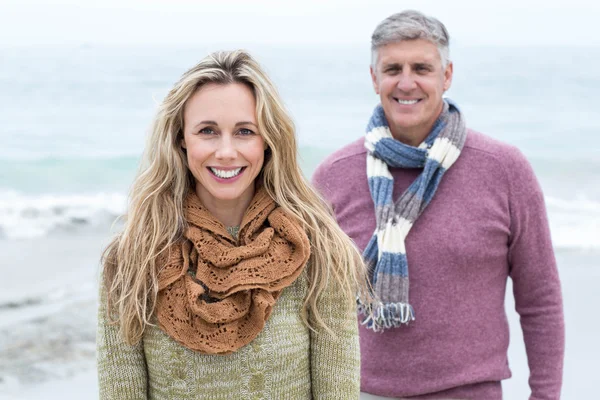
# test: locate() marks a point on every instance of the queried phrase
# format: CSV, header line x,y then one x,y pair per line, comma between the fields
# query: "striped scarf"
x,y
385,254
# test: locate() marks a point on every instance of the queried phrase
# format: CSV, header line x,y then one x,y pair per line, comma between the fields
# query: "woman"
x,y
230,278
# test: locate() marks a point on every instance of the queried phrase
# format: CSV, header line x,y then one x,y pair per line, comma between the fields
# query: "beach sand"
x,y
48,321
48,315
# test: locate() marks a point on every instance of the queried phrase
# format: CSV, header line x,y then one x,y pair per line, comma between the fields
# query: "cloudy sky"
x,y
507,22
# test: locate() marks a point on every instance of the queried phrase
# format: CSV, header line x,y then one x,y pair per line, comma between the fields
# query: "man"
x,y
443,215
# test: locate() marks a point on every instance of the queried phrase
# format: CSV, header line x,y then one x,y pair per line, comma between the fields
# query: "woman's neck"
x,y
228,212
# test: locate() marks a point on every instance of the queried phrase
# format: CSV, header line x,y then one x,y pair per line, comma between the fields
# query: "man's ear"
x,y
448,76
374,79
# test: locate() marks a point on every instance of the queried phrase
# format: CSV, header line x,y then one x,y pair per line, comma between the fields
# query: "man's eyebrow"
x,y
423,64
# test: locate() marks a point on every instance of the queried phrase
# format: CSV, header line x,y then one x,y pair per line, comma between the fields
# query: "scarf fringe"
x,y
380,316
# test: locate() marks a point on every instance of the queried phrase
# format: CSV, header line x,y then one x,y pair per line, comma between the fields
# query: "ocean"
x,y
73,122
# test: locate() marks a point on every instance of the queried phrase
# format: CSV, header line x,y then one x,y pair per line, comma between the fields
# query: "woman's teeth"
x,y
225,174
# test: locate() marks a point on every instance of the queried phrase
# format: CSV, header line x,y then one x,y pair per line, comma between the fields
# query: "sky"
x,y
470,22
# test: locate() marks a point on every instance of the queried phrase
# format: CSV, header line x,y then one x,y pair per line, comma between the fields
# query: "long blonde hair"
x,y
155,215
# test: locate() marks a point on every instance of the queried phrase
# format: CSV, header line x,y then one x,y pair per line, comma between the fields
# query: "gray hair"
x,y
410,25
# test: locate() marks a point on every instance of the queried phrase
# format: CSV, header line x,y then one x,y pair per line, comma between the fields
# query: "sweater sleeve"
x,y
335,361
122,372
321,183
536,284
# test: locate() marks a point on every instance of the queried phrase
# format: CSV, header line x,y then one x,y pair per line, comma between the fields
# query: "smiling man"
x,y
410,77
443,215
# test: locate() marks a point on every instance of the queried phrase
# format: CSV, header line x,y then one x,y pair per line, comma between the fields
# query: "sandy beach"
x,y
48,317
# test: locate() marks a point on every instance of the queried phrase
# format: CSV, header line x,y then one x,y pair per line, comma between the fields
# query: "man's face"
x,y
410,80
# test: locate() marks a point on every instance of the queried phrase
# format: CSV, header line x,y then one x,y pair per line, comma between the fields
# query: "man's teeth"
x,y
225,174
407,102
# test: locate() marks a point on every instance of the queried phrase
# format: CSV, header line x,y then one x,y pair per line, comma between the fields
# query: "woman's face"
x,y
225,151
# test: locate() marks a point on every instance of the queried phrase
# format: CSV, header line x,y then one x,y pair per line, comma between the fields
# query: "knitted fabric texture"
x,y
287,360
216,293
385,253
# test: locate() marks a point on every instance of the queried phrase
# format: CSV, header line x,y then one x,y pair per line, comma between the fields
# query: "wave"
x,y
68,175
575,224
28,216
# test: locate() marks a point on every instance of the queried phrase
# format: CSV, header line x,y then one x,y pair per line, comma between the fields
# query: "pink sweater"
x,y
486,222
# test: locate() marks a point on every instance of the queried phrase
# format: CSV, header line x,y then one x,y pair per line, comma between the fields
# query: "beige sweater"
x,y
285,361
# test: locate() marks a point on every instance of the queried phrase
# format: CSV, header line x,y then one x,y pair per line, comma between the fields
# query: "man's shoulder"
x,y
349,156
349,153
491,148
490,156
342,164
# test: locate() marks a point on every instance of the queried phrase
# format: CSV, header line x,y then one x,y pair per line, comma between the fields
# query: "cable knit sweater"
x,y
486,222
285,361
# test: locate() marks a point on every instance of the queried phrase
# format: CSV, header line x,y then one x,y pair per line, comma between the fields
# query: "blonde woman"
x,y
230,278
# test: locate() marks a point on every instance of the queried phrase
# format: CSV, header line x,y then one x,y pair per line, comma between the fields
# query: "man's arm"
x,y
536,284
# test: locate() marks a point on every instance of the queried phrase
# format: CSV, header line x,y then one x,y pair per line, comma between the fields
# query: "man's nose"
x,y
406,81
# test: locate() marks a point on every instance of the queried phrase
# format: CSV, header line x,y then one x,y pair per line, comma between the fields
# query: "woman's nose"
x,y
226,148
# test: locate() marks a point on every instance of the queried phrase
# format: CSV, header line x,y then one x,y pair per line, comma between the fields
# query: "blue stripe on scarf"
x,y
370,254
383,188
434,183
399,154
389,263
438,126
393,264
377,119
432,174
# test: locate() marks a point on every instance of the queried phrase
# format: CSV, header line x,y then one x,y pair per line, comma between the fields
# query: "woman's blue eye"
x,y
245,132
207,131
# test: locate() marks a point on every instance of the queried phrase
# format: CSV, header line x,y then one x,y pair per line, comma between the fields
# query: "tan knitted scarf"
x,y
215,293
